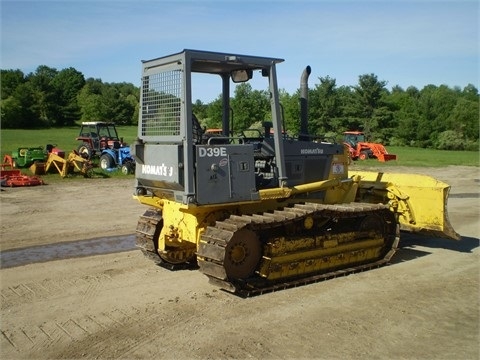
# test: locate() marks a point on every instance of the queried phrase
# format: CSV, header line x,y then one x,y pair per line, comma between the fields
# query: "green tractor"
x,y
24,157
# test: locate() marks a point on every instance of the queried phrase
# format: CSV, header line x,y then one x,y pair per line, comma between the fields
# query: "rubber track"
x,y
215,239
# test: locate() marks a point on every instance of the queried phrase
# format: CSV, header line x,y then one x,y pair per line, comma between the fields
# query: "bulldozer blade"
x,y
419,200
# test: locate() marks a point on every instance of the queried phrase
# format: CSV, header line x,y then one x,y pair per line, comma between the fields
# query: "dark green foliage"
x,y
324,105
291,112
35,101
20,110
200,109
10,80
249,106
51,98
214,114
117,102
66,85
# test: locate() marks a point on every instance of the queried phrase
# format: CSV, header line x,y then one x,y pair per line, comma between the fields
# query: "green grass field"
x,y
410,156
65,139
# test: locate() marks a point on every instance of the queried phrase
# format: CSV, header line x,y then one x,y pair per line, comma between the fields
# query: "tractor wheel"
x,y
85,151
106,162
126,169
363,155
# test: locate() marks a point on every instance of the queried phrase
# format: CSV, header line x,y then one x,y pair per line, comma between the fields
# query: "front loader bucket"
x,y
38,168
419,200
387,157
380,152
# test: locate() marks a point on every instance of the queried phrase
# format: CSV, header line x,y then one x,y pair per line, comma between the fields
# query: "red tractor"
x,y
96,137
360,149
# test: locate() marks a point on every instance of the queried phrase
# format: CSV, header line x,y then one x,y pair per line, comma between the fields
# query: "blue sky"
x,y
406,43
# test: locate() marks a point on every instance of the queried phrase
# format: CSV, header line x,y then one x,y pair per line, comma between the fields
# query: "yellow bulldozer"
x,y
265,212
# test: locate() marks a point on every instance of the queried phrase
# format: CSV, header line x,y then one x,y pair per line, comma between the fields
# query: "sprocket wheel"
x,y
242,254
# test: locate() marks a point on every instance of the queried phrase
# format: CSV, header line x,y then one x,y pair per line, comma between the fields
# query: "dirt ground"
x,y
425,305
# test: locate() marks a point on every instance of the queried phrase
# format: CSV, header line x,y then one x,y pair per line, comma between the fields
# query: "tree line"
x,y
438,117
52,98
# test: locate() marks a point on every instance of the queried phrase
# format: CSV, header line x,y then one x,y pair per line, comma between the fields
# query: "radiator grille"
x,y
161,99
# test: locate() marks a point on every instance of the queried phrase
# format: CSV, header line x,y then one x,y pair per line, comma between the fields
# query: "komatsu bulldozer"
x,y
269,211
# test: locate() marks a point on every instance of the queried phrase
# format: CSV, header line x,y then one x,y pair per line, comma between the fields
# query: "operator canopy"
x,y
239,67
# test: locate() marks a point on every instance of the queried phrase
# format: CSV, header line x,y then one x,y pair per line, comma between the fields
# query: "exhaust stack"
x,y
304,104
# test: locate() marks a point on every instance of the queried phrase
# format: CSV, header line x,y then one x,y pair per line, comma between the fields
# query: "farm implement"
x,y
73,163
42,161
13,178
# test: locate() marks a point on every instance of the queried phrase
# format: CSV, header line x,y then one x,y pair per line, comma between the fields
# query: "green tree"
x,y
435,105
115,108
116,102
405,114
200,110
214,115
367,99
128,97
349,118
41,81
90,100
290,105
9,80
133,101
249,106
324,107
463,118
65,86
470,92
20,109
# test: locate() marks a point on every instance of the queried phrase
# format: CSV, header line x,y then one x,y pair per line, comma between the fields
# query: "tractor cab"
x,y
353,137
96,137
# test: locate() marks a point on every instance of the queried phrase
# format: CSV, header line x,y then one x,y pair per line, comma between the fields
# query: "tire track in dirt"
x,y
103,316
24,340
29,292
96,333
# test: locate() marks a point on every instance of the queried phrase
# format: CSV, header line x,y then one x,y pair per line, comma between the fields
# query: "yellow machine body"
x,y
419,203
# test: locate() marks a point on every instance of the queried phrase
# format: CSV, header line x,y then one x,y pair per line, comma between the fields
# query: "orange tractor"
x,y
360,149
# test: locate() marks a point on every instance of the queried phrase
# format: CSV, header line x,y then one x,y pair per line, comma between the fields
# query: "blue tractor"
x,y
100,138
117,156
